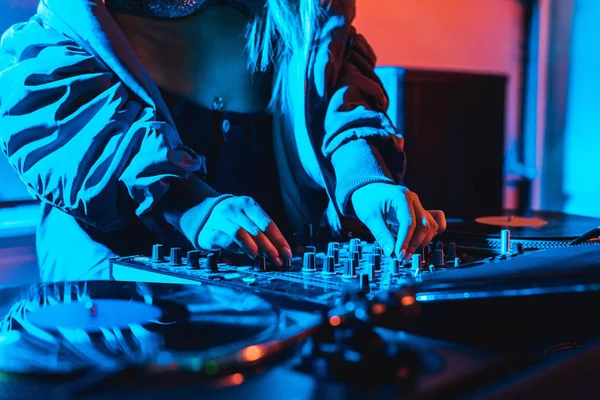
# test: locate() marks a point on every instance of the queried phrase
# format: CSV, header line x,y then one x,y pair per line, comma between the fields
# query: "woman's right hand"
x,y
239,225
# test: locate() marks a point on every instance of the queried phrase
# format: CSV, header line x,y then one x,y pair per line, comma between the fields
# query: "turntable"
x,y
529,230
134,340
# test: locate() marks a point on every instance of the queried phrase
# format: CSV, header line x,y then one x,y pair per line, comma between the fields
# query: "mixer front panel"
x,y
314,276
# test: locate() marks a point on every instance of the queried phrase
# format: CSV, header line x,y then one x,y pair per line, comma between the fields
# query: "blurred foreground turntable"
x,y
135,340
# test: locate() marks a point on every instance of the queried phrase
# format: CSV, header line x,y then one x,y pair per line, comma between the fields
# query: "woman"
x,y
207,123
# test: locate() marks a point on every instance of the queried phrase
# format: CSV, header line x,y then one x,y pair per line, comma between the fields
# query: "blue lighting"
x,y
482,294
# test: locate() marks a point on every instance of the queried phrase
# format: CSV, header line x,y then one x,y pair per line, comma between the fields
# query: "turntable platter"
x,y
526,225
69,328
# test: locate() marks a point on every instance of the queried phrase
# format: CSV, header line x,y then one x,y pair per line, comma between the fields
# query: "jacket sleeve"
x,y
77,137
360,141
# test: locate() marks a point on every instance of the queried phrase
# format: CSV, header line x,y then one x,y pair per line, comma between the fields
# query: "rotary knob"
x,y
308,263
437,258
356,246
451,254
377,249
192,259
158,253
355,259
329,266
364,283
394,266
335,253
287,264
260,264
349,270
376,261
211,262
175,258
416,262
371,273
333,245
310,249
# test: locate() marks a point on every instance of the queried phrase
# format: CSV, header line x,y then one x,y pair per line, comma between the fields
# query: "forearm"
x,y
187,205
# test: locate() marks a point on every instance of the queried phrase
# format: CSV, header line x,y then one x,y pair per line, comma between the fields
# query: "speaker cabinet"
x,y
453,125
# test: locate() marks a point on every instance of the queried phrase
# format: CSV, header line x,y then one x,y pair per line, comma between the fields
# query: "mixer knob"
x,y
425,251
371,273
416,262
505,242
329,266
363,283
438,258
519,248
456,262
158,253
394,266
439,246
355,260
211,262
335,253
451,254
349,270
332,245
309,264
287,264
431,268
377,249
175,258
260,263
376,261
192,259
356,246
310,249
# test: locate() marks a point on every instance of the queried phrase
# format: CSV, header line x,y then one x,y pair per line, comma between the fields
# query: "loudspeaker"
x,y
453,125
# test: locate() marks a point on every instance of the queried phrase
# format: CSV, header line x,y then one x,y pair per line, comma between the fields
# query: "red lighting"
x,y
408,301
252,353
378,309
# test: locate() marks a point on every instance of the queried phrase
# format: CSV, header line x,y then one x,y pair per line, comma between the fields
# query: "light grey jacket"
x,y
87,130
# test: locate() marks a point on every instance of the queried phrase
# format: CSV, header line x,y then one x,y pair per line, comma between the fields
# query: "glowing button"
x,y
252,353
335,320
407,301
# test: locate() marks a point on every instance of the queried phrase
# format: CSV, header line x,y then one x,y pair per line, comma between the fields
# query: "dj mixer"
x,y
503,308
317,275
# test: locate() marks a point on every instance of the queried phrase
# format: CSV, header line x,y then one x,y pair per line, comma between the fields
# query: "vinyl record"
x,y
525,225
74,328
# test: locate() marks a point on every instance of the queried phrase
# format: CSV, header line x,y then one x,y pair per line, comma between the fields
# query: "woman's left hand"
x,y
396,218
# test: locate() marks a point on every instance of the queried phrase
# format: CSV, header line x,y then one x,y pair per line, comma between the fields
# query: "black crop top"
x,y
174,8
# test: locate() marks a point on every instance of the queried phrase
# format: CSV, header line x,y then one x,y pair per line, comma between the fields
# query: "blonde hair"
x,y
276,31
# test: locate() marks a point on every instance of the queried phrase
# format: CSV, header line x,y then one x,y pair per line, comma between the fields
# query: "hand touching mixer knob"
x,y
260,263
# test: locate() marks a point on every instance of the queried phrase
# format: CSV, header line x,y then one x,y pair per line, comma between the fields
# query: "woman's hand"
x,y
240,225
396,218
